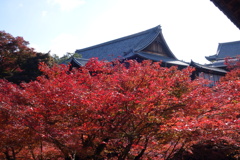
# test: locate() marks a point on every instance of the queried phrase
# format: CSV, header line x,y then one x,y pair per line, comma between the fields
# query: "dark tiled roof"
x,y
120,48
222,64
143,55
219,64
229,49
207,69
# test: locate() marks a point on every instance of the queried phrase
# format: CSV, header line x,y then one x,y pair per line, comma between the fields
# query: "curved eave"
x,y
211,58
167,47
78,61
148,41
206,69
157,58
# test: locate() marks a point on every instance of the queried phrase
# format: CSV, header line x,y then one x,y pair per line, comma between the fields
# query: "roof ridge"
x,y
80,58
122,38
230,42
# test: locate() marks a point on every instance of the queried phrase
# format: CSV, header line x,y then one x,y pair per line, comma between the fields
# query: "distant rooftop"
x,y
121,47
208,69
229,49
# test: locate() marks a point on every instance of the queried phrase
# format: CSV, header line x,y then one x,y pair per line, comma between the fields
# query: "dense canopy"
x,y
116,110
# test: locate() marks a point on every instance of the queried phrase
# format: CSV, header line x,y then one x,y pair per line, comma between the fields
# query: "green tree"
x,y
66,58
18,62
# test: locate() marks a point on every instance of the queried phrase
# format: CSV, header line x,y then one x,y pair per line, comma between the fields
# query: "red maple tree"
x,y
110,111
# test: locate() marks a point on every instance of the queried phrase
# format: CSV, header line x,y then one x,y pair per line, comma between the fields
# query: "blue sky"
x,y
192,28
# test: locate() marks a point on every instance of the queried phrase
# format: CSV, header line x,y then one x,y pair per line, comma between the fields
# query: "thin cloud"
x,y
66,5
20,5
44,13
35,47
64,43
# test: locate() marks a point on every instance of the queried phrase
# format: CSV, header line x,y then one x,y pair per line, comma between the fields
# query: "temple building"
x,y
207,72
224,50
146,45
151,45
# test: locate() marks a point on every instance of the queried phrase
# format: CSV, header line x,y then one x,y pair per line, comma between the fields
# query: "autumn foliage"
x,y
115,111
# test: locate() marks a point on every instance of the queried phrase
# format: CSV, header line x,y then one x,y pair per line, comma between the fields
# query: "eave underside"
x,y
231,8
